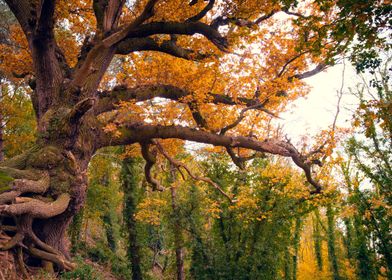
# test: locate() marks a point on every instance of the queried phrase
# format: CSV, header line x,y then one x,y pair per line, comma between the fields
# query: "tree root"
x,y
15,240
37,208
57,259
24,209
20,186
25,185
21,263
7,197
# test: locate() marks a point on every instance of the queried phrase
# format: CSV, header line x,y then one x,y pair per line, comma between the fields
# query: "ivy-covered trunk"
x,y
317,239
177,228
130,184
332,243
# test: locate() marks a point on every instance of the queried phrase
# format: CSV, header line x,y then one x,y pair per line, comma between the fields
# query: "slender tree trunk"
x,y
363,256
109,217
108,220
296,244
129,175
1,127
348,240
1,139
332,243
317,239
177,229
287,265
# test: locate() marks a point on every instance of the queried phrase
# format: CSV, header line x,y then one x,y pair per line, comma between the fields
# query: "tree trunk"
x,y
331,244
317,239
1,139
130,184
75,230
109,217
177,229
296,244
1,128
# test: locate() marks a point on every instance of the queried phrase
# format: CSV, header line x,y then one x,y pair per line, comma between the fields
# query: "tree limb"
x,y
143,133
109,99
126,29
149,44
150,159
203,12
180,28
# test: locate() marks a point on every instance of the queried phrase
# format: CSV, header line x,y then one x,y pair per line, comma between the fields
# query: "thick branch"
x,y
109,99
126,29
144,133
149,44
20,8
150,159
107,13
46,19
320,67
180,28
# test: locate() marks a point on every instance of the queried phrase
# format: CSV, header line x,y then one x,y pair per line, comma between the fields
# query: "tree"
x,y
130,182
372,197
68,48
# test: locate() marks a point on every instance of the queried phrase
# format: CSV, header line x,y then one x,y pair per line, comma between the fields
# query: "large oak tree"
x,y
224,67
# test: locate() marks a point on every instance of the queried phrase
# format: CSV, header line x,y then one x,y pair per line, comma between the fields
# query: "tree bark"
x,y
177,228
331,244
296,244
317,239
1,139
130,185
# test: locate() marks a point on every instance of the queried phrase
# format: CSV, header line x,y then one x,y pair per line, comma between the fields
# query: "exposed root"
x,y
37,208
57,259
43,245
25,185
15,240
8,228
20,174
21,263
20,186
8,196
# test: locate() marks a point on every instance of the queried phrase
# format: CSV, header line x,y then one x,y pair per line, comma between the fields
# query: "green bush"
x,y
82,272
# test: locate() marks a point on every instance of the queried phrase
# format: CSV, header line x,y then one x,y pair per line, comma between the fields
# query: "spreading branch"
x,y
152,44
143,133
109,99
180,28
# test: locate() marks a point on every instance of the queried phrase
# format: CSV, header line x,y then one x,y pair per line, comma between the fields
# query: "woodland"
x,y
139,140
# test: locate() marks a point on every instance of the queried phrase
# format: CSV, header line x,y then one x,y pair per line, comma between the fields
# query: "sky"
x,y
306,116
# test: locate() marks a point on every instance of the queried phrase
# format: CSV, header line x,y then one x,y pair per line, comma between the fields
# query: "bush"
x,y
82,272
